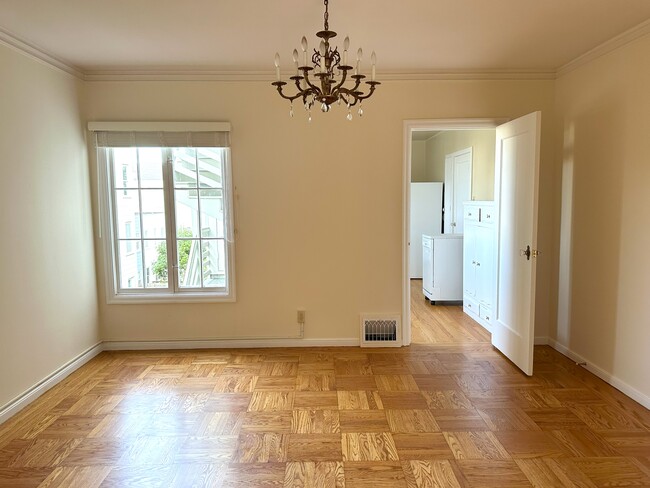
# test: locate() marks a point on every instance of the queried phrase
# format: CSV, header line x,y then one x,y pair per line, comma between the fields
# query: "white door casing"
x,y
409,127
516,205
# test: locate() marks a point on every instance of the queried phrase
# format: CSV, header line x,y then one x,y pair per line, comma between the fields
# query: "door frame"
x,y
419,125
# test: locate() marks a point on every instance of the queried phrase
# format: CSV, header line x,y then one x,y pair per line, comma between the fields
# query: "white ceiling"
x,y
409,36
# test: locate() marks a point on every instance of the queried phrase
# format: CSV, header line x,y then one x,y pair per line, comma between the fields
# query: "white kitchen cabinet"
x,y
478,261
442,274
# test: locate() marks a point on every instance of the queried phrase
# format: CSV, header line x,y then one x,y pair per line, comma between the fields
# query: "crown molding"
x,y
267,76
606,47
38,54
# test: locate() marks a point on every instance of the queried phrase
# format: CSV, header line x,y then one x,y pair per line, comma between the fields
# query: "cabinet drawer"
x,y
485,313
487,215
471,305
471,214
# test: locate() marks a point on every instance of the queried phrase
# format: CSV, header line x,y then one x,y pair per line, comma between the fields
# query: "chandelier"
x,y
330,72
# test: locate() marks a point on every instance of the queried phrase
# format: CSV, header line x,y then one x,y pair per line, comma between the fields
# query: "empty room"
x,y
306,243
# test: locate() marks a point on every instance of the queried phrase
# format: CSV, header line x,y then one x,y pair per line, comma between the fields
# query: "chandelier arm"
x,y
351,94
317,91
343,80
279,86
370,92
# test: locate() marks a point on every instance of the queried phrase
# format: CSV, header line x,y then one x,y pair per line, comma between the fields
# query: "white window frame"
x,y
110,243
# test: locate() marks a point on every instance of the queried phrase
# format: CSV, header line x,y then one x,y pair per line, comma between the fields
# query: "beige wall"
x,y
419,161
603,152
318,205
482,143
49,307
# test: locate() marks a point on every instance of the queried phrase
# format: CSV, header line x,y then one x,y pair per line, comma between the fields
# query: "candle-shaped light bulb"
x,y
359,54
277,66
322,49
373,60
303,44
346,46
295,60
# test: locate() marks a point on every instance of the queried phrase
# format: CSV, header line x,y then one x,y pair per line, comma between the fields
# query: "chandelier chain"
x,y
327,15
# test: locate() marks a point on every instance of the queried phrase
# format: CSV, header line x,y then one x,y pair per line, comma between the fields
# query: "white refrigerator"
x,y
426,219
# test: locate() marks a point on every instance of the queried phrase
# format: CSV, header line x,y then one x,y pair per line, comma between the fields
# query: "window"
x,y
169,216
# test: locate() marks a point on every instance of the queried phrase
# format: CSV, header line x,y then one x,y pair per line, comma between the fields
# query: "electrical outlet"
x,y
300,317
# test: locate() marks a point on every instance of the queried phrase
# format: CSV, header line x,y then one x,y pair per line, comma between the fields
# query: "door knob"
x,y
525,252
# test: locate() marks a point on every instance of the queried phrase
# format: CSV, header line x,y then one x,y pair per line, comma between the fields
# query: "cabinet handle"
x,y
473,262
487,216
478,264
487,317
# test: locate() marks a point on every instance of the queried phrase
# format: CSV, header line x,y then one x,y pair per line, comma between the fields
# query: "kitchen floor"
x,y
441,324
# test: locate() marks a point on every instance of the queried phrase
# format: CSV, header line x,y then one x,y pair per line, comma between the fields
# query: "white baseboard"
x,y
606,376
226,343
31,394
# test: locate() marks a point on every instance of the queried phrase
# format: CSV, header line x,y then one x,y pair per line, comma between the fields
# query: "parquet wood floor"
x,y
434,415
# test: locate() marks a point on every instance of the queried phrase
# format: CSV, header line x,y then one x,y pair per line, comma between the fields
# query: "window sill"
x,y
143,298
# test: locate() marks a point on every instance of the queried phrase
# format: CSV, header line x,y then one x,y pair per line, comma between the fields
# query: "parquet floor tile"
x,y
314,447
374,475
369,446
317,474
363,421
451,413
492,474
359,400
411,421
264,421
430,474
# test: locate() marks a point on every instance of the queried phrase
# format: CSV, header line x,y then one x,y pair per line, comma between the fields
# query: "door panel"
x,y
516,194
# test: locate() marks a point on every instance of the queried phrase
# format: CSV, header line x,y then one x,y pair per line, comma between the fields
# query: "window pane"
x,y
130,261
214,263
189,263
127,205
153,213
187,213
184,159
211,213
125,167
155,264
210,167
151,167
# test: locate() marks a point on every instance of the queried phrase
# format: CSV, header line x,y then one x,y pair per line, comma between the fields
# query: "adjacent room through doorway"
x,y
448,169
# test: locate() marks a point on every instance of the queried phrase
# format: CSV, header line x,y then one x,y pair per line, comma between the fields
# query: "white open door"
x,y
516,195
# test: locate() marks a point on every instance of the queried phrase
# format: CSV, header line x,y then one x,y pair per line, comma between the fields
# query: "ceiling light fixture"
x,y
332,71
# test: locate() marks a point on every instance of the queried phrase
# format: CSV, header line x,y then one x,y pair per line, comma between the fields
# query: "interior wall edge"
x,y
32,393
606,376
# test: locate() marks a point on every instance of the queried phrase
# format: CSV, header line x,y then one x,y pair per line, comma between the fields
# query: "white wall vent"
x,y
381,331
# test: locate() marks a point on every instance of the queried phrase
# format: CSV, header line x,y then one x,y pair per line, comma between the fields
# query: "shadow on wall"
x,y
592,191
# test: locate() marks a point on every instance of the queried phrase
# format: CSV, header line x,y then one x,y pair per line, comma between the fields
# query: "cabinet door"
x,y
469,260
484,268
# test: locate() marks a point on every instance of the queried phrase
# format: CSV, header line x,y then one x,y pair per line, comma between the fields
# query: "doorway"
x,y
429,148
